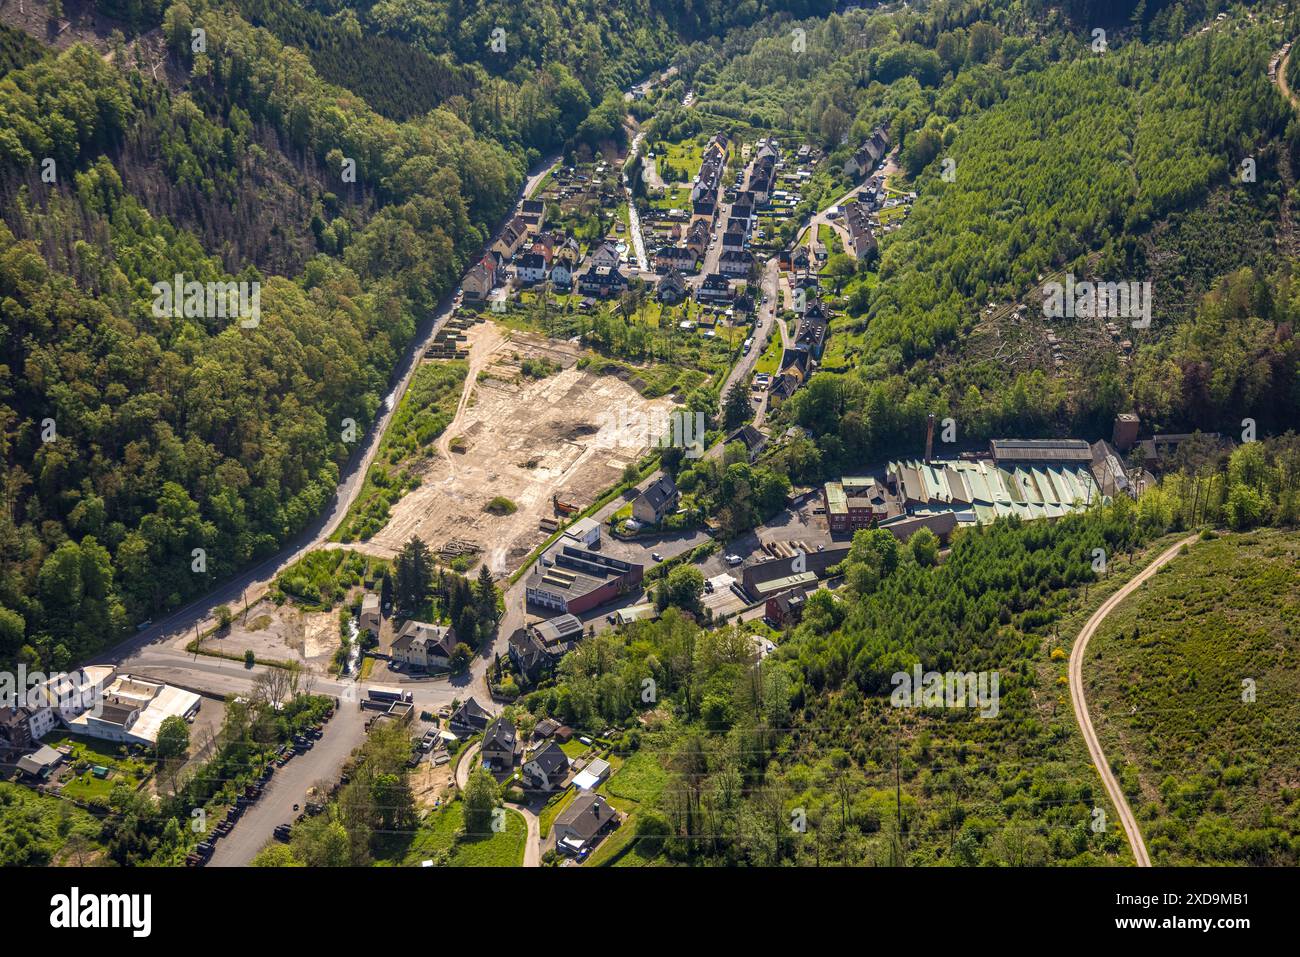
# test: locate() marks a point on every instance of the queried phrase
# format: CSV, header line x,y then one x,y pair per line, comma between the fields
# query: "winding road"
x,y
1081,715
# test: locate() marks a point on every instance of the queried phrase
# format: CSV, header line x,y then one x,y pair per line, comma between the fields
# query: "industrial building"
x,y
571,577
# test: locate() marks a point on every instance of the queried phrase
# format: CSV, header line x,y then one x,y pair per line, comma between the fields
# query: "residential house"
x,y
533,213
697,237
657,502
672,288
480,280
786,383
530,269
563,265
753,439
500,745
511,239
813,326
423,645
371,616
862,241
606,254
675,257
786,608
865,158
743,207
580,826
15,729
602,282
546,768
545,728
529,656
715,288
736,262
469,718
733,239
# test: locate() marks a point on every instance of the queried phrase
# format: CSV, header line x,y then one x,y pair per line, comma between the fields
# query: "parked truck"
x,y
389,694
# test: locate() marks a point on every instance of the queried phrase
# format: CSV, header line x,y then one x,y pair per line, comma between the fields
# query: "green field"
x,y
1212,776
770,360
425,411
637,783
438,833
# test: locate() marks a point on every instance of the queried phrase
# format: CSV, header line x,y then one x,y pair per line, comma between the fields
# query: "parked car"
x,y
734,560
656,556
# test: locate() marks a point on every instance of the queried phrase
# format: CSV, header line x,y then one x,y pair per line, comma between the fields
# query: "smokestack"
x,y
929,437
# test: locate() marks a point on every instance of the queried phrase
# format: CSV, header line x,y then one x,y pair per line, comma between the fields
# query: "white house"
x,y
424,645
547,768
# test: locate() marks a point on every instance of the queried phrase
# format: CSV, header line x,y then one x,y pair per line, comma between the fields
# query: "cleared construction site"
x,y
518,445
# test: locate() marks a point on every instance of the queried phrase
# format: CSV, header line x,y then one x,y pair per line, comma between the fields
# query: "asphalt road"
x,y
766,316
288,786
1131,830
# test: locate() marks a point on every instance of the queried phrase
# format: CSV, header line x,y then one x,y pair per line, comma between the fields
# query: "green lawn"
x,y
574,748
770,360
91,752
553,809
641,779
684,157
438,833
638,782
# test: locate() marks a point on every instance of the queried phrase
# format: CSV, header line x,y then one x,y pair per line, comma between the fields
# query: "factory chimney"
x,y
929,437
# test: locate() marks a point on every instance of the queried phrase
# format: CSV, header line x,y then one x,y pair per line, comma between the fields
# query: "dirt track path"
x,y
1081,715
1282,83
482,348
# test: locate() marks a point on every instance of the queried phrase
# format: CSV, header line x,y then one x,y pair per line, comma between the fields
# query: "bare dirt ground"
x,y
286,633
519,438
429,784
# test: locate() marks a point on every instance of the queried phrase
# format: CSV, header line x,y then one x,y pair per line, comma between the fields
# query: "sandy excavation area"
x,y
286,633
523,439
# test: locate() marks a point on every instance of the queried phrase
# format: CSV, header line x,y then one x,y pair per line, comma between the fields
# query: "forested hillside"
x,y
1122,163
133,438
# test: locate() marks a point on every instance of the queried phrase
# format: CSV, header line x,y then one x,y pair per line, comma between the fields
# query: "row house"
x,y
602,282
736,262
865,158
715,288
675,257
